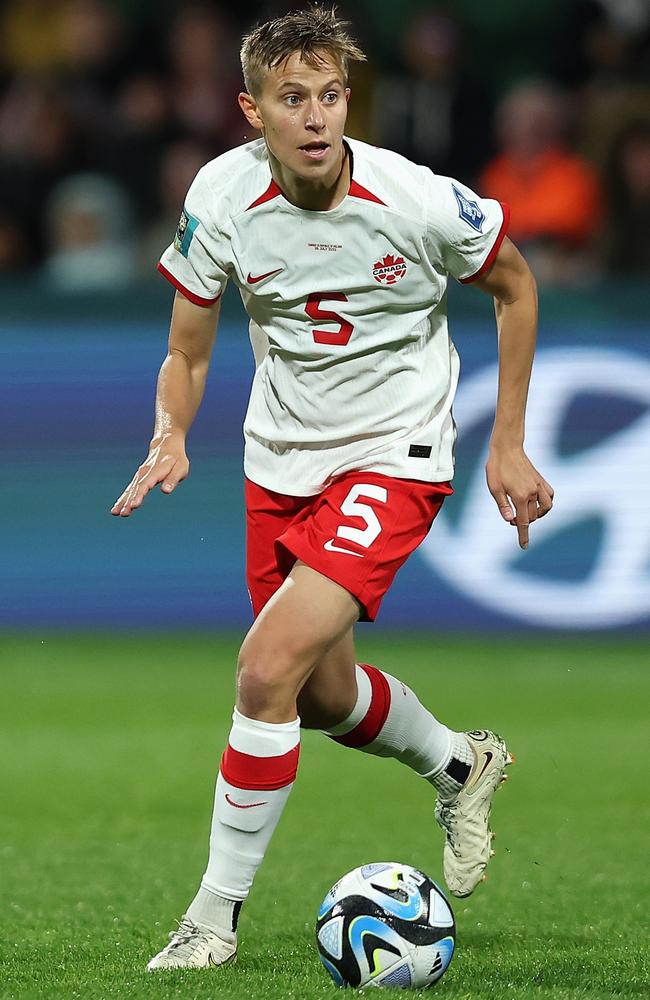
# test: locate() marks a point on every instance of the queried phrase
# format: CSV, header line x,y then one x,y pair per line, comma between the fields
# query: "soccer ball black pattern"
x,y
385,925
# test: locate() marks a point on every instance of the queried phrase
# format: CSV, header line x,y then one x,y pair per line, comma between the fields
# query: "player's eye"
x,y
292,100
331,98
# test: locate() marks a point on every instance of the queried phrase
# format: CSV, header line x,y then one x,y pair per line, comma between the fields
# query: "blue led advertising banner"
x,y
76,411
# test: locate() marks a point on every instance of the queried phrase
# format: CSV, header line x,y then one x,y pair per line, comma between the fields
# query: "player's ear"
x,y
250,110
348,94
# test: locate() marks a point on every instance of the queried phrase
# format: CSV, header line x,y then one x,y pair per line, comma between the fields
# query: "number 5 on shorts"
x,y
350,507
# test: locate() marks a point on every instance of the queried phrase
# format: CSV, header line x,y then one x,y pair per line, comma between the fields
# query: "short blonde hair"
x,y
314,32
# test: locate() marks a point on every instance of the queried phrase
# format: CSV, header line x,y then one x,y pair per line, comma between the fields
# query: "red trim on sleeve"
x,y
491,257
373,721
272,191
357,191
244,770
198,300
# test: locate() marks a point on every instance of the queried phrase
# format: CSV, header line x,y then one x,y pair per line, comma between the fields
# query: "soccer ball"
x,y
385,925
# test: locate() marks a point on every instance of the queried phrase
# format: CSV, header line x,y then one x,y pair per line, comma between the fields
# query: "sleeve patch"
x,y
469,210
187,226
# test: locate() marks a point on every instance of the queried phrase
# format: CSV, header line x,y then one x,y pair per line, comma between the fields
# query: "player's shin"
x,y
388,720
256,775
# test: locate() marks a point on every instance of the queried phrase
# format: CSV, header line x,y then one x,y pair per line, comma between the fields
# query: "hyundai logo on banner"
x,y
588,432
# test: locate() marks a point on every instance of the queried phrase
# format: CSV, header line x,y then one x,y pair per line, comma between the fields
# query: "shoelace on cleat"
x,y
189,936
446,815
187,933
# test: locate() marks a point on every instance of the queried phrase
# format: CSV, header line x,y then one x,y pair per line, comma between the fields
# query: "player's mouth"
x,y
315,150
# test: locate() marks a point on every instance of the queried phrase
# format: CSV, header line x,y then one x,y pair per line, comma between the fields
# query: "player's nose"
x,y
315,117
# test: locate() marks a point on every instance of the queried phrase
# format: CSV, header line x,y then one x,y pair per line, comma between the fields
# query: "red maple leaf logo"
x,y
389,269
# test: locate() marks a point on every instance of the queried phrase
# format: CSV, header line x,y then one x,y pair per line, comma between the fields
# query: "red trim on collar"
x,y
272,191
357,191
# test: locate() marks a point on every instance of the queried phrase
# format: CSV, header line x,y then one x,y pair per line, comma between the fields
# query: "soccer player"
x,y
341,253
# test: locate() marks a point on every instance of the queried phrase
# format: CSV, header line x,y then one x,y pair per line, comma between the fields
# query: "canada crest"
x,y
389,269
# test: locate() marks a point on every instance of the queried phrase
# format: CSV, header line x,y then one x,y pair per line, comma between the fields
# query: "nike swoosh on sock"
x,y
240,805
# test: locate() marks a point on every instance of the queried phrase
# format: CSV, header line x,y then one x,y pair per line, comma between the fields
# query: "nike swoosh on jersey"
x,y
260,277
239,805
331,547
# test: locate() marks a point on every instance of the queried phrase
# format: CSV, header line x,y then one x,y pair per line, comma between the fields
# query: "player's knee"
x,y
264,674
256,681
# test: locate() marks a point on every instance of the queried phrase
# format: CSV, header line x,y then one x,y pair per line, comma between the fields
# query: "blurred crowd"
x,y
109,107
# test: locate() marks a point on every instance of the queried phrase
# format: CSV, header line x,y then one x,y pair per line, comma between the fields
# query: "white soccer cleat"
x,y
466,818
194,946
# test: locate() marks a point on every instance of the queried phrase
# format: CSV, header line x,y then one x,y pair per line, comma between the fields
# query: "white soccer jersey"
x,y
354,365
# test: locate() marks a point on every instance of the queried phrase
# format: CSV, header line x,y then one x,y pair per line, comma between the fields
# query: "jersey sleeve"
x,y
465,231
196,262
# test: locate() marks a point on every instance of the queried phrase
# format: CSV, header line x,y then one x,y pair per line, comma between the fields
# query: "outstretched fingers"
x,y
167,471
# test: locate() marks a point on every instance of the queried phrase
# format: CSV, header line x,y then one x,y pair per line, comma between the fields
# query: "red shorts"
x,y
357,532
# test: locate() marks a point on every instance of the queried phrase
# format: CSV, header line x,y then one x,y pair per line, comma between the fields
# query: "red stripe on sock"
x,y
373,721
243,770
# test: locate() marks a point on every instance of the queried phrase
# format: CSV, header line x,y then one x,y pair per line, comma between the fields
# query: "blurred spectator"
x,y
627,229
32,36
93,36
432,111
554,195
135,138
605,56
14,247
204,54
178,167
603,43
89,227
503,40
96,58
39,146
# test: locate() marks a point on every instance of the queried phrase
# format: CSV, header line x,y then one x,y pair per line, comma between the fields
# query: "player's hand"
x,y
520,492
166,463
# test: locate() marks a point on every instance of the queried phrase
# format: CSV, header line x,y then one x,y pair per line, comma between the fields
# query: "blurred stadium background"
x,y
107,109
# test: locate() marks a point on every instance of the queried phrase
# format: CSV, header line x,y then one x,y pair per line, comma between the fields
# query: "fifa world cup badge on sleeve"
x,y
469,210
187,226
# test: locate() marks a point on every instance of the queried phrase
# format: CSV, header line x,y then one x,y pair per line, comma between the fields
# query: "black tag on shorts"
x,y
420,451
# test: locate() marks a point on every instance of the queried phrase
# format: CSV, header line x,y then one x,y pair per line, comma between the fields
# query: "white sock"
x,y
388,720
256,775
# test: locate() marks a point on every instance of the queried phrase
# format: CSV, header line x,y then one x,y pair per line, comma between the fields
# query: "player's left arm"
x,y
520,491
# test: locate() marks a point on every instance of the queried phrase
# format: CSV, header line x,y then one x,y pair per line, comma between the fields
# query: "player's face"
x,y
302,111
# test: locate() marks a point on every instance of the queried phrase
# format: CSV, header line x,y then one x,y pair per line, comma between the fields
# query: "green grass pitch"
x,y
109,748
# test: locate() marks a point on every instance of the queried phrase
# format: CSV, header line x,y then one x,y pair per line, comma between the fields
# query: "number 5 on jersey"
x,y
338,337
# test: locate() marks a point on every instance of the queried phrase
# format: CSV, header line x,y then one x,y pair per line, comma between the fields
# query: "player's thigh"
x,y
304,619
330,692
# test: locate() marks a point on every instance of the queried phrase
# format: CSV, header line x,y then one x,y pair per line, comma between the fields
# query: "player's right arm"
x,y
179,392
